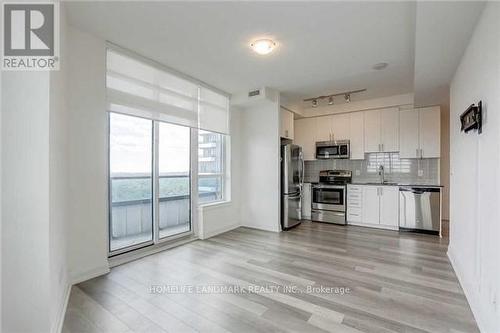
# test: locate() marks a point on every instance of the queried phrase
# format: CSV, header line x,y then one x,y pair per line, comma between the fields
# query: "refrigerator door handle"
x,y
303,169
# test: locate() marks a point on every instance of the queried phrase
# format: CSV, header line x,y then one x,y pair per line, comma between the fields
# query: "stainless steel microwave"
x,y
333,149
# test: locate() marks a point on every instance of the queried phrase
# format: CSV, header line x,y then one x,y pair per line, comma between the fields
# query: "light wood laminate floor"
x,y
399,282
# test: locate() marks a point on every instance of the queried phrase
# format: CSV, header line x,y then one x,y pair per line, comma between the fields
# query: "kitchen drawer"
x,y
354,204
354,214
353,197
354,189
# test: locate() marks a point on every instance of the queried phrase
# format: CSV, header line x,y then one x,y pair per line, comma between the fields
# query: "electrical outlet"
x,y
420,173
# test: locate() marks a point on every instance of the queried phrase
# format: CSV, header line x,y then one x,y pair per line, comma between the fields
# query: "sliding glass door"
x,y
142,171
174,194
131,181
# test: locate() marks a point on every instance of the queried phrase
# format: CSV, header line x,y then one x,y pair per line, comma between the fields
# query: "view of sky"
x,y
131,144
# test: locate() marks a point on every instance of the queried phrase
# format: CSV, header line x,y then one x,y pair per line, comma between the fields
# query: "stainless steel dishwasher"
x,y
420,209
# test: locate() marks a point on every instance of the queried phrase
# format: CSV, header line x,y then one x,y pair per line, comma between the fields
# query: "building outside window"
x,y
211,166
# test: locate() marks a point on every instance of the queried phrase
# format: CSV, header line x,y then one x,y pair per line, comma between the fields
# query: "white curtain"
x,y
138,88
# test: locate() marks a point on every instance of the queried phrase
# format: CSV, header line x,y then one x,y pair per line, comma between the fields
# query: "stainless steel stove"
x,y
329,196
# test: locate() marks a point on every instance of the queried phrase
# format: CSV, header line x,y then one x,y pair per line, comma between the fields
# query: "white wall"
x,y
25,202
58,185
1,105
444,161
219,218
87,156
35,281
260,165
475,164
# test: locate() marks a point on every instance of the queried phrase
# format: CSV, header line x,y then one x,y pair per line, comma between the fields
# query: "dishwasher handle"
x,y
419,190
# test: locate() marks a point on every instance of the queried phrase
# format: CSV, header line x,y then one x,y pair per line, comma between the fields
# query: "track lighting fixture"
x,y
347,97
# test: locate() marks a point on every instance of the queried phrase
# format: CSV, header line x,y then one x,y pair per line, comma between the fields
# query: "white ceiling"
x,y
324,47
443,31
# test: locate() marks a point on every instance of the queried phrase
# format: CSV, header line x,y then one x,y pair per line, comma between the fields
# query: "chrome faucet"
x,y
381,173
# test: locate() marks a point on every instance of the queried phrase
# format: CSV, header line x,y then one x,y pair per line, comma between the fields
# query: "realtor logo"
x,y
31,36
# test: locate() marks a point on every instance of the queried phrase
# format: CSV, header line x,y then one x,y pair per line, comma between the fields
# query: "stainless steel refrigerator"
x,y
292,180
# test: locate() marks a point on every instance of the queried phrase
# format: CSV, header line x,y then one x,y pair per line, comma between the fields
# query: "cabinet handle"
x,y
421,153
382,147
416,153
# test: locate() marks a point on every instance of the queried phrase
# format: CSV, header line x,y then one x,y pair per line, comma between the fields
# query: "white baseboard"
x,y
469,294
277,229
61,313
84,276
219,231
376,226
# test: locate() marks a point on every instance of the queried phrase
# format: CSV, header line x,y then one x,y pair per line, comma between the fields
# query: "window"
x,y
134,204
131,187
211,166
153,112
174,197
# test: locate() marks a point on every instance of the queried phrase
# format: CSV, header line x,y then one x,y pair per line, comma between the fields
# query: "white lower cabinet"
x,y
373,206
389,206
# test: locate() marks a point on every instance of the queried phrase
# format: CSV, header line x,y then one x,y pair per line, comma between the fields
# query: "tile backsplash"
x,y
399,170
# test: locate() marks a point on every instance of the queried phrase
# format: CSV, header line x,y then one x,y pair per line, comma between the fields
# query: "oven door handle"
x,y
332,187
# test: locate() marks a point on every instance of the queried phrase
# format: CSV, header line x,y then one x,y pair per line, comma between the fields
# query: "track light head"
x,y
314,103
330,100
347,98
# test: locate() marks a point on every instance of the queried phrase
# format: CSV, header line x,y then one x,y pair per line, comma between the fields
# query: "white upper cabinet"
x,y
420,133
357,135
324,128
430,132
340,127
286,124
408,134
389,129
332,127
305,136
372,131
389,206
382,130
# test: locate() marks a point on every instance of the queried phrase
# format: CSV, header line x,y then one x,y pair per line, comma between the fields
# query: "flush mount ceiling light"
x,y
263,46
380,66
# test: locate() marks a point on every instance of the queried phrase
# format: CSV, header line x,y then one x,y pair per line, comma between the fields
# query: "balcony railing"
x,y
131,211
